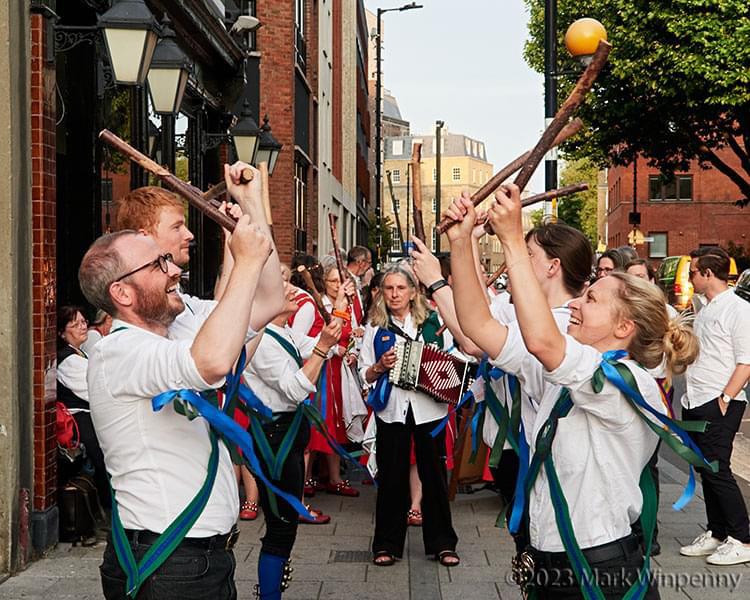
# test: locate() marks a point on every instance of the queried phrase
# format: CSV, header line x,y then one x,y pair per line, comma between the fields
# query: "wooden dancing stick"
x,y
265,194
246,176
416,183
192,194
572,102
343,271
302,270
395,212
496,180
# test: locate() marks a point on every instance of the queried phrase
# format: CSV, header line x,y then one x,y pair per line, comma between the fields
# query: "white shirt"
x,y
599,451
157,460
93,337
424,408
723,331
189,321
275,376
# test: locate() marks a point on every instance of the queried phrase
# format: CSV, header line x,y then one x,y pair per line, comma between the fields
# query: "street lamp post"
x,y
438,152
550,94
379,116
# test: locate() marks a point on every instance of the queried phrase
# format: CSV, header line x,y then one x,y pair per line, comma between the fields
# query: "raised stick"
x,y
265,194
572,102
302,270
246,176
496,180
416,186
343,271
192,194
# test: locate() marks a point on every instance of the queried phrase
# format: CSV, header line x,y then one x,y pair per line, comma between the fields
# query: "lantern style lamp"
x,y
582,38
268,147
168,76
131,33
246,135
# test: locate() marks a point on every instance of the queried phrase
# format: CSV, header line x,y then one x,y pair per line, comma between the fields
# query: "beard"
x,y
155,308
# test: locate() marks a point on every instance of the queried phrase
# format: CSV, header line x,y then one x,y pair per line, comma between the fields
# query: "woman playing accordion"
x,y
400,314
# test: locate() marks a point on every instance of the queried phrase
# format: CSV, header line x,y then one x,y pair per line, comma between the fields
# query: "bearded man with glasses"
x,y
175,497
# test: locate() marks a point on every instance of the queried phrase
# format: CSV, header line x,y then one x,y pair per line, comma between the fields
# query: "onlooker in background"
x,y
640,268
72,389
98,328
627,254
715,393
609,261
358,261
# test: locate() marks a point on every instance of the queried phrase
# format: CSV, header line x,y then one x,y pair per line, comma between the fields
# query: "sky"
x,y
462,62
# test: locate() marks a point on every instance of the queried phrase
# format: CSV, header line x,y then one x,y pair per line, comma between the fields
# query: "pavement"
x,y
333,561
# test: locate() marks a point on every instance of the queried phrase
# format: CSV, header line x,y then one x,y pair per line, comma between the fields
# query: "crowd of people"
x,y
572,395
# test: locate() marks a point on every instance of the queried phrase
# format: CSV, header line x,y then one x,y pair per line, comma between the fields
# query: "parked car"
x,y
673,277
743,285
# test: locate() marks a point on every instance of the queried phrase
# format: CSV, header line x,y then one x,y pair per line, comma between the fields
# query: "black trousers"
x,y
554,578
281,531
725,506
393,444
504,476
95,454
190,573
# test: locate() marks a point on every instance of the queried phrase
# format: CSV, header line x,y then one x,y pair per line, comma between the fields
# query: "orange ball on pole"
x,y
583,35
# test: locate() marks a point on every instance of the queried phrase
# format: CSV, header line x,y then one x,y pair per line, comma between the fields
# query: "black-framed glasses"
x,y
160,261
692,272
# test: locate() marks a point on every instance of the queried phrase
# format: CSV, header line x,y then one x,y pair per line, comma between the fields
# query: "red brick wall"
x,y
710,218
43,199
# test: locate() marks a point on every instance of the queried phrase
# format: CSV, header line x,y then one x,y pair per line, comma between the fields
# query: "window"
x,y
467,145
434,174
434,238
396,205
657,247
456,173
395,240
396,175
434,205
679,187
300,208
398,147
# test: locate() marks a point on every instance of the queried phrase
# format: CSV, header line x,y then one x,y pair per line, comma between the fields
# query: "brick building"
x,y
344,121
59,92
693,209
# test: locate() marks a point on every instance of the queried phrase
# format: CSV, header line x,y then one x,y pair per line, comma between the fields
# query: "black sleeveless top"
x,y
65,394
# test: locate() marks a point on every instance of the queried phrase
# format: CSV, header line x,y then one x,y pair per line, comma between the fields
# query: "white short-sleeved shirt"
x,y
157,460
599,451
275,376
189,321
425,409
723,331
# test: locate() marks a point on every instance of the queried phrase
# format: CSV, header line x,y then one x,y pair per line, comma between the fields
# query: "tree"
x,y
379,239
677,86
579,210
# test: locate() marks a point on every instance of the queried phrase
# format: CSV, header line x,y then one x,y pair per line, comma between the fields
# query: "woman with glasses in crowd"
x,y
72,389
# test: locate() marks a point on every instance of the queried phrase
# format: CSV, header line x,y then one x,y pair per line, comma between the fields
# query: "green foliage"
x,y
579,210
116,110
537,217
379,238
677,86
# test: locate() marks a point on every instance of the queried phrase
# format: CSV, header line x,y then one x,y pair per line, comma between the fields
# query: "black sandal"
x,y
448,554
383,554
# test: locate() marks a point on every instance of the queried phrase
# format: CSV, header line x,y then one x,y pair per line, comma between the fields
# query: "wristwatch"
x,y
434,287
725,398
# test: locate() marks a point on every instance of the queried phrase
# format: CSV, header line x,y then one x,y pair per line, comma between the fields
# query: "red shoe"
x,y
342,488
414,518
318,517
309,490
249,511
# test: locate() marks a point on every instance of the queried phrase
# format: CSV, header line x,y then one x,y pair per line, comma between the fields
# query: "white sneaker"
x,y
731,552
704,545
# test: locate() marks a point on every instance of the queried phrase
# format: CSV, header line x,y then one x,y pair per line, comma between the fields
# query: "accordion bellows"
x,y
430,370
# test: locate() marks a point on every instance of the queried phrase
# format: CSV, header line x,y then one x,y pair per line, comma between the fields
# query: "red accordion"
x,y
430,370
